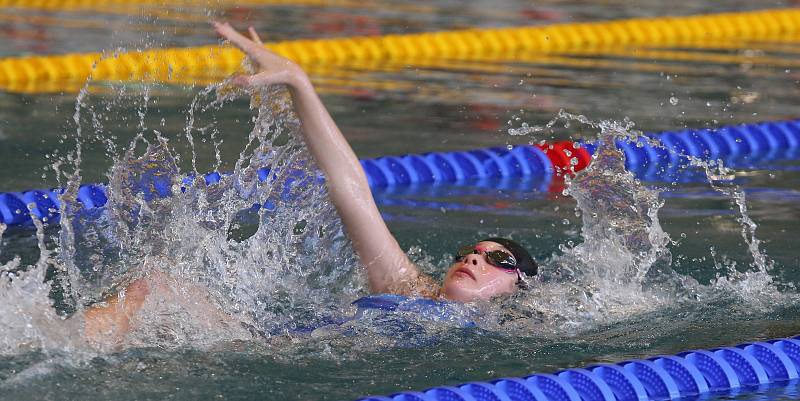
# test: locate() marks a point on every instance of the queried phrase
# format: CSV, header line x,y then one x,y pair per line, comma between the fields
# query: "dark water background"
x,y
420,109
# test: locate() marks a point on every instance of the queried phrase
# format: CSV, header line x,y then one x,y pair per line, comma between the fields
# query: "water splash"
x,y
264,243
262,252
619,214
622,267
29,320
756,285
261,265
720,178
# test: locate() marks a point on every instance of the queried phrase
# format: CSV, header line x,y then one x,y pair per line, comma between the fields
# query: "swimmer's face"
x,y
473,277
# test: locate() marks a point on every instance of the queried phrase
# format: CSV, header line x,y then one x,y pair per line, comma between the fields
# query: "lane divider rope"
x,y
132,6
744,145
180,64
744,367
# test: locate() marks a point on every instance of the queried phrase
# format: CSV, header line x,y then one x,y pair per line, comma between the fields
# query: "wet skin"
x,y
473,277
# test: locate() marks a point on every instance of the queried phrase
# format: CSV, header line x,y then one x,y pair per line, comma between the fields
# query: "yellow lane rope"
x,y
361,74
67,5
540,68
148,7
183,65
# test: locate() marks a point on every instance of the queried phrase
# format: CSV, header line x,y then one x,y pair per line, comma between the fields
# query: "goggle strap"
x,y
523,282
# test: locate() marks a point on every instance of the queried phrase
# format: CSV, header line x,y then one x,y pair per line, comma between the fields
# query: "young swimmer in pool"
x,y
492,267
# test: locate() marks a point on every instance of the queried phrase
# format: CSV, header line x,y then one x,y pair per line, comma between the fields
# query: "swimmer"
x,y
487,269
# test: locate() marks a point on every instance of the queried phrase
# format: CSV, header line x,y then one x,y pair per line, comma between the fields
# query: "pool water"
x,y
592,306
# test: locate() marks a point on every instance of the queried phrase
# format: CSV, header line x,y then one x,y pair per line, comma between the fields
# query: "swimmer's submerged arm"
x,y
388,266
107,324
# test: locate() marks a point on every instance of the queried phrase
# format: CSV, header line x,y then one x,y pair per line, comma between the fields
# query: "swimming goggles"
x,y
500,259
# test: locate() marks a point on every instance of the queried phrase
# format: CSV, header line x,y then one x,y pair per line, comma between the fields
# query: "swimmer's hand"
x,y
272,68
107,324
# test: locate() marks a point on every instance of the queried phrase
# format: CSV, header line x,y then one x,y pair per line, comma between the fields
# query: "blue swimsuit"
x,y
428,309
391,314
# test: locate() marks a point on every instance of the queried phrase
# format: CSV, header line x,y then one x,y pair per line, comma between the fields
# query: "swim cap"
x,y
525,262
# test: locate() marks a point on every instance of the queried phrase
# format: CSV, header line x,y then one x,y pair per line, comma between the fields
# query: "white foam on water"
x,y
29,321
266,271
621,268
220,270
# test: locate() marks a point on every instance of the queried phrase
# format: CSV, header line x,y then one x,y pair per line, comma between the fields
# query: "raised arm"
x,y
388,267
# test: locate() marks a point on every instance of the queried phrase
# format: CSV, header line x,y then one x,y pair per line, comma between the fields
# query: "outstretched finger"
x,y
226,31
254,36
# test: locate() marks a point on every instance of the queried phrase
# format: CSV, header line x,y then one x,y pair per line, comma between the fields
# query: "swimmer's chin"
x,y
456,290
460,288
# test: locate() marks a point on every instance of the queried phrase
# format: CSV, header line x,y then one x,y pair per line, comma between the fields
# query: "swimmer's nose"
x,y
472,258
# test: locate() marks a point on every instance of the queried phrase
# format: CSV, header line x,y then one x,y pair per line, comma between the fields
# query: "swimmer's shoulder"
x,y
421,286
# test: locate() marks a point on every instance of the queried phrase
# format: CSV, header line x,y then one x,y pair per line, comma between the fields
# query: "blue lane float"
x,y
737,145
497,162
666,377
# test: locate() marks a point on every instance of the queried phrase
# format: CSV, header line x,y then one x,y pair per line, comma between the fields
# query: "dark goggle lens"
x,y
503,260
465,250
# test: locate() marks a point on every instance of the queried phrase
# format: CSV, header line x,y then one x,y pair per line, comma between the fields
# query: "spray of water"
x,y
29,320
621,268
247,256
754,285
262,252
